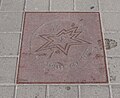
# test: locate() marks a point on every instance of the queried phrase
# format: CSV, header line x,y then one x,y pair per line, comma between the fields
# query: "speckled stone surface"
x,y
7,91
31,91
62,48
63,91
95,91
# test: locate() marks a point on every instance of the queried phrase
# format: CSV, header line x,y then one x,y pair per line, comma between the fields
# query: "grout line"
x,y
65,84
49,6
107,69
110,32
17,63
70,84
103,30
24,5
111,94
12,56
7,84
15,94
98,3
110,11
16,66
113,56
20,42
79,92
22,22
47,91
73,5
11,32
11,11
9,56
14,91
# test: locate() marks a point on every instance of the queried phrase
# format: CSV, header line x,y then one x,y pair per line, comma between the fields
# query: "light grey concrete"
x,y
7,70
6,91
9,43
30,91
111,21
87,5
63,91
61,5
12,5
10,22
116,91
95,92
112,44
110,5
114,69
37,5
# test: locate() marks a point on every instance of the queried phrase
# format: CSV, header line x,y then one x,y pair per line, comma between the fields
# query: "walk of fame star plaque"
x,y
62,48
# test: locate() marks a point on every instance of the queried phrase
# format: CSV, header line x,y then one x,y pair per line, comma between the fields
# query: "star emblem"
x,y
62,40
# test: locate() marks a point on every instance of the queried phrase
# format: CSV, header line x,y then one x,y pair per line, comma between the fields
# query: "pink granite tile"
x,y
62,48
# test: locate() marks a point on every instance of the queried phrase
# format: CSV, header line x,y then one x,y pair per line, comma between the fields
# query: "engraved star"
x,y
63,40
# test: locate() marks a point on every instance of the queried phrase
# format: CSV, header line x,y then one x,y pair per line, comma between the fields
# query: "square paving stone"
x,y
12,5
116,91
7,91
9,43
110,5
111,21
30,91
63,91
7,70
62,48
10,21
87,5
112,41
114,69
37,5
61,5
95,92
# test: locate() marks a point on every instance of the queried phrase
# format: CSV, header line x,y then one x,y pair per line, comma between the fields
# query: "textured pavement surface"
x,y
62,48
12,17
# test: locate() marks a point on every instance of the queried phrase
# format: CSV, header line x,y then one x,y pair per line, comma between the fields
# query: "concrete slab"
x,y
116,91
114,67
9,43
12,5
37,5
61,5
111,21
112,44
110,5
7,70
87,5
10,22
6,91
31,91
95,92
67,91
